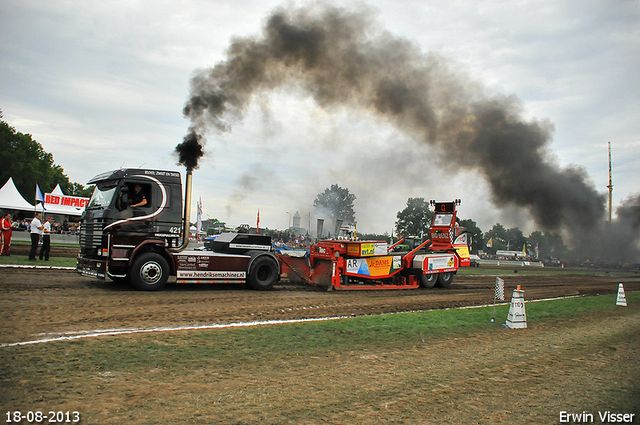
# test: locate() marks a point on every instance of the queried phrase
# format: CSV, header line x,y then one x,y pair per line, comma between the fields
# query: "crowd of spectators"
x,y
64,228
284,239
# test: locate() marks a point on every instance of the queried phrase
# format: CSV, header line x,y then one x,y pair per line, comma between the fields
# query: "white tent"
x,y
11,199
57,190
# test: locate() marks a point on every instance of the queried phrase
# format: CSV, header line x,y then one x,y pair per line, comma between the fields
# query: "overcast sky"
x,y
102,85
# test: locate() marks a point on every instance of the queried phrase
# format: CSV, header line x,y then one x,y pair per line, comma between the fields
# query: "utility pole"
x,y
610,185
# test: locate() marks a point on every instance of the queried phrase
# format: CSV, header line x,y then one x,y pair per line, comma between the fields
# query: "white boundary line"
x,y
74,335
29,266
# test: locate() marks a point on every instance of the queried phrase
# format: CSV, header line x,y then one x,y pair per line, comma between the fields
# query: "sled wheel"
x,y
149,272
445,279
428,280
263,273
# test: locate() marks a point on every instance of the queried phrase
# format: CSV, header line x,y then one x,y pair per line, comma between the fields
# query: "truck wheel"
x,y
445,279
263,273
428,280
149,272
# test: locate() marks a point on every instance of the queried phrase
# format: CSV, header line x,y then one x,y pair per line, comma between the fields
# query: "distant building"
x,y
299,230
296,220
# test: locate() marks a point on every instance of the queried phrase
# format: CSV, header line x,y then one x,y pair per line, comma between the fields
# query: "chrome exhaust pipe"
x,y
187,213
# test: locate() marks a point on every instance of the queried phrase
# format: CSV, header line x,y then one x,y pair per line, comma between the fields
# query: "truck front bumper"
x,y
92,268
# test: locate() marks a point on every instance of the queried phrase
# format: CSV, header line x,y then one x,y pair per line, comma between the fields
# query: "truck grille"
x,y
91,235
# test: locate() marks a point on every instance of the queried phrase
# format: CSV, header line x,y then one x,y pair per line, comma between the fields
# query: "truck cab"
x,y
113,229
135,229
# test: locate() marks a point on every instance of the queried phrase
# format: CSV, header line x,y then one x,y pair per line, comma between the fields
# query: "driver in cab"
x,y
138,199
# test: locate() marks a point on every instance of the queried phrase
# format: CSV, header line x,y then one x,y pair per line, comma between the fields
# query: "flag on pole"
x,y
499,295
199,208
258,222
490,243
39,196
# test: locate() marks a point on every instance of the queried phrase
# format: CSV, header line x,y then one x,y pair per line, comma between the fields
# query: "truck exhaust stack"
x,y
187,212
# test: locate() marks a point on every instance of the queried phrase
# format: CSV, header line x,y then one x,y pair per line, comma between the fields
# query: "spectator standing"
x,y
6,232
46,239
36,231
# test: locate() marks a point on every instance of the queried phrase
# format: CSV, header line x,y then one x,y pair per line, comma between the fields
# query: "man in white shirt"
x,y
36,231
46,239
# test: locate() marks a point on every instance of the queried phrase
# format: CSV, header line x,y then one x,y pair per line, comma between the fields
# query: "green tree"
x,y
24,159
415,218
549,245
339,202
515,239
476,234
498,238
80,190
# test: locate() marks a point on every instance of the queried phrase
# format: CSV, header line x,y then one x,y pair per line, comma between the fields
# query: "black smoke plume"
x,y
341,58
190,151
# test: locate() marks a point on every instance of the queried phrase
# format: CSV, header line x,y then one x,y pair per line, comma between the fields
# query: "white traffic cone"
x,y
622,300
517,318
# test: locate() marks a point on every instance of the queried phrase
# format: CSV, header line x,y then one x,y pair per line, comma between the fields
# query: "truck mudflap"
x,y
92,268
258,269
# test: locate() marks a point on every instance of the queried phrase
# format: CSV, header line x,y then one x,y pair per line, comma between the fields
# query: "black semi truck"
x,y
135,229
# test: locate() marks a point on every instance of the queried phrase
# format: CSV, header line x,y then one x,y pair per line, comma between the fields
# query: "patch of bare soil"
x,y
56,250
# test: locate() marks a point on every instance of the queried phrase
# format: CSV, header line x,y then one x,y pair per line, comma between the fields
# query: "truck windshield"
x,y
442,219
102,196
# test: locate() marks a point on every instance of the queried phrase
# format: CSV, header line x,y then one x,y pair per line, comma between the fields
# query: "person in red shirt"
x,y
5,228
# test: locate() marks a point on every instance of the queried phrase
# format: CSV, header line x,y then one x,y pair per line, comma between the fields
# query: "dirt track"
x,y
36,304
586,363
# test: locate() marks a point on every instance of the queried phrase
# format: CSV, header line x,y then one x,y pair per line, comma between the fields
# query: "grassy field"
x,y
408,368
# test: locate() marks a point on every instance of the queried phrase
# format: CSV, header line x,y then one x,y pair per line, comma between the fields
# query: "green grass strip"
x,y
227,348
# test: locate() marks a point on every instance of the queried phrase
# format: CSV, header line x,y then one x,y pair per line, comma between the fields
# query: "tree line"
x,y
26,161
